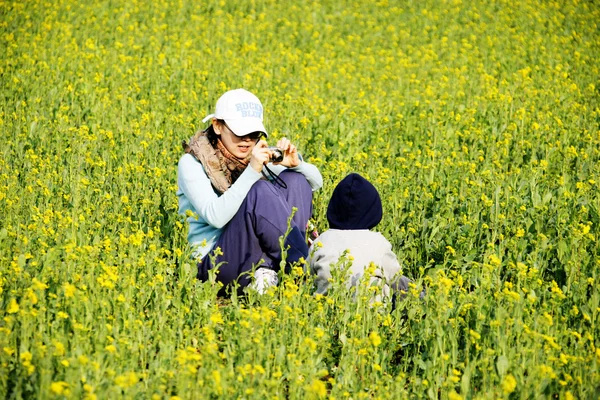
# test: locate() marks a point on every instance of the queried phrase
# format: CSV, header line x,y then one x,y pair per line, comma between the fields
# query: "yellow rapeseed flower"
x,y
454,396
69,290
317,389
127,380
13,307
509,383
216,318
319,332
494,260
569,395
38,285
375,339
59,388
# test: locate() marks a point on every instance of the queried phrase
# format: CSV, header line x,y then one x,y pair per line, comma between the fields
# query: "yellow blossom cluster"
x,y
477,122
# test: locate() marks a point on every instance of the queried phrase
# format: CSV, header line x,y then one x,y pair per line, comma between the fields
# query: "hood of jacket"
x,y
354,204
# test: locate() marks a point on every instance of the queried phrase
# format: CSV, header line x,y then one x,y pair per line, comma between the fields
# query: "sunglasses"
x,y
252,135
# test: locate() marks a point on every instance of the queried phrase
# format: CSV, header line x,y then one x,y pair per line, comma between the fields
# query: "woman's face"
x,y
239,146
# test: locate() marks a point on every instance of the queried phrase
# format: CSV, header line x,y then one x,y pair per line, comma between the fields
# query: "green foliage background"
x,y
479,123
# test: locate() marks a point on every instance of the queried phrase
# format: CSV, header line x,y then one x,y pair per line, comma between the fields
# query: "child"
x,y
354,209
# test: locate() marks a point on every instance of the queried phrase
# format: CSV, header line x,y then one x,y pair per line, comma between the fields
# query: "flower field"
x,y
478,122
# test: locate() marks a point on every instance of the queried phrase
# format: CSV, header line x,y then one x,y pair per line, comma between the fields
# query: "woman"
x,y
230,204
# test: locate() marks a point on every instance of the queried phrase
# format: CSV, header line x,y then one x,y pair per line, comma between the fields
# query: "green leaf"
x,y
562,250
502,365
465,382
21,261
536,199
187,269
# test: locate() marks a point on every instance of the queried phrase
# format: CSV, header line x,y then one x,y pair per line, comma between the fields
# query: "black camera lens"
x,y
277,154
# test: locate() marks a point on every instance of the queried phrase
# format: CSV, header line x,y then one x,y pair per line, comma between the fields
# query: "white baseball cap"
x,y
242,112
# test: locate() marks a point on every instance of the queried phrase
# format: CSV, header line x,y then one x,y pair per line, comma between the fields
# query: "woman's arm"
x,y
195,185
293,160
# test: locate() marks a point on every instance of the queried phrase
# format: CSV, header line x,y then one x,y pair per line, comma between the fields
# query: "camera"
x,y
277,154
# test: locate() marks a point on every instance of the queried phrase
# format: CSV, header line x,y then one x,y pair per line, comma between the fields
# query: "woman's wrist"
x,y
300,161
256,165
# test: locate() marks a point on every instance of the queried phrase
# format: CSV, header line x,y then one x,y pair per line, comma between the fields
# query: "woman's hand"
x,y
260,155
290,153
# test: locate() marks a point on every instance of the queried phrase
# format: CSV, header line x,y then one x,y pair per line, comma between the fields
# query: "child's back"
x,y
354,208
364,247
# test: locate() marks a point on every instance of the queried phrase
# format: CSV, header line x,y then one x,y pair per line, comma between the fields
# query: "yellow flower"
x,y
30,295
520,232
13,307
317,388
216,376
387,321
216,318
26,357
298,271
569,395
375,338
39,285
474,335
59,348
494,260
509,383
69,290
309,343
319,332
454,396
59,388
127,380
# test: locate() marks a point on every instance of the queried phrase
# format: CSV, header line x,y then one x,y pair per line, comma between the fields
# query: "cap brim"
x,y
243,127
210,116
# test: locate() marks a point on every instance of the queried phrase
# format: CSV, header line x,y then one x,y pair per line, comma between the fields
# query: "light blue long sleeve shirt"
x,y
211,212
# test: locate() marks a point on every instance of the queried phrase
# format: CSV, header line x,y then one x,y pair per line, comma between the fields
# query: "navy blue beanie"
x,y
354,204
